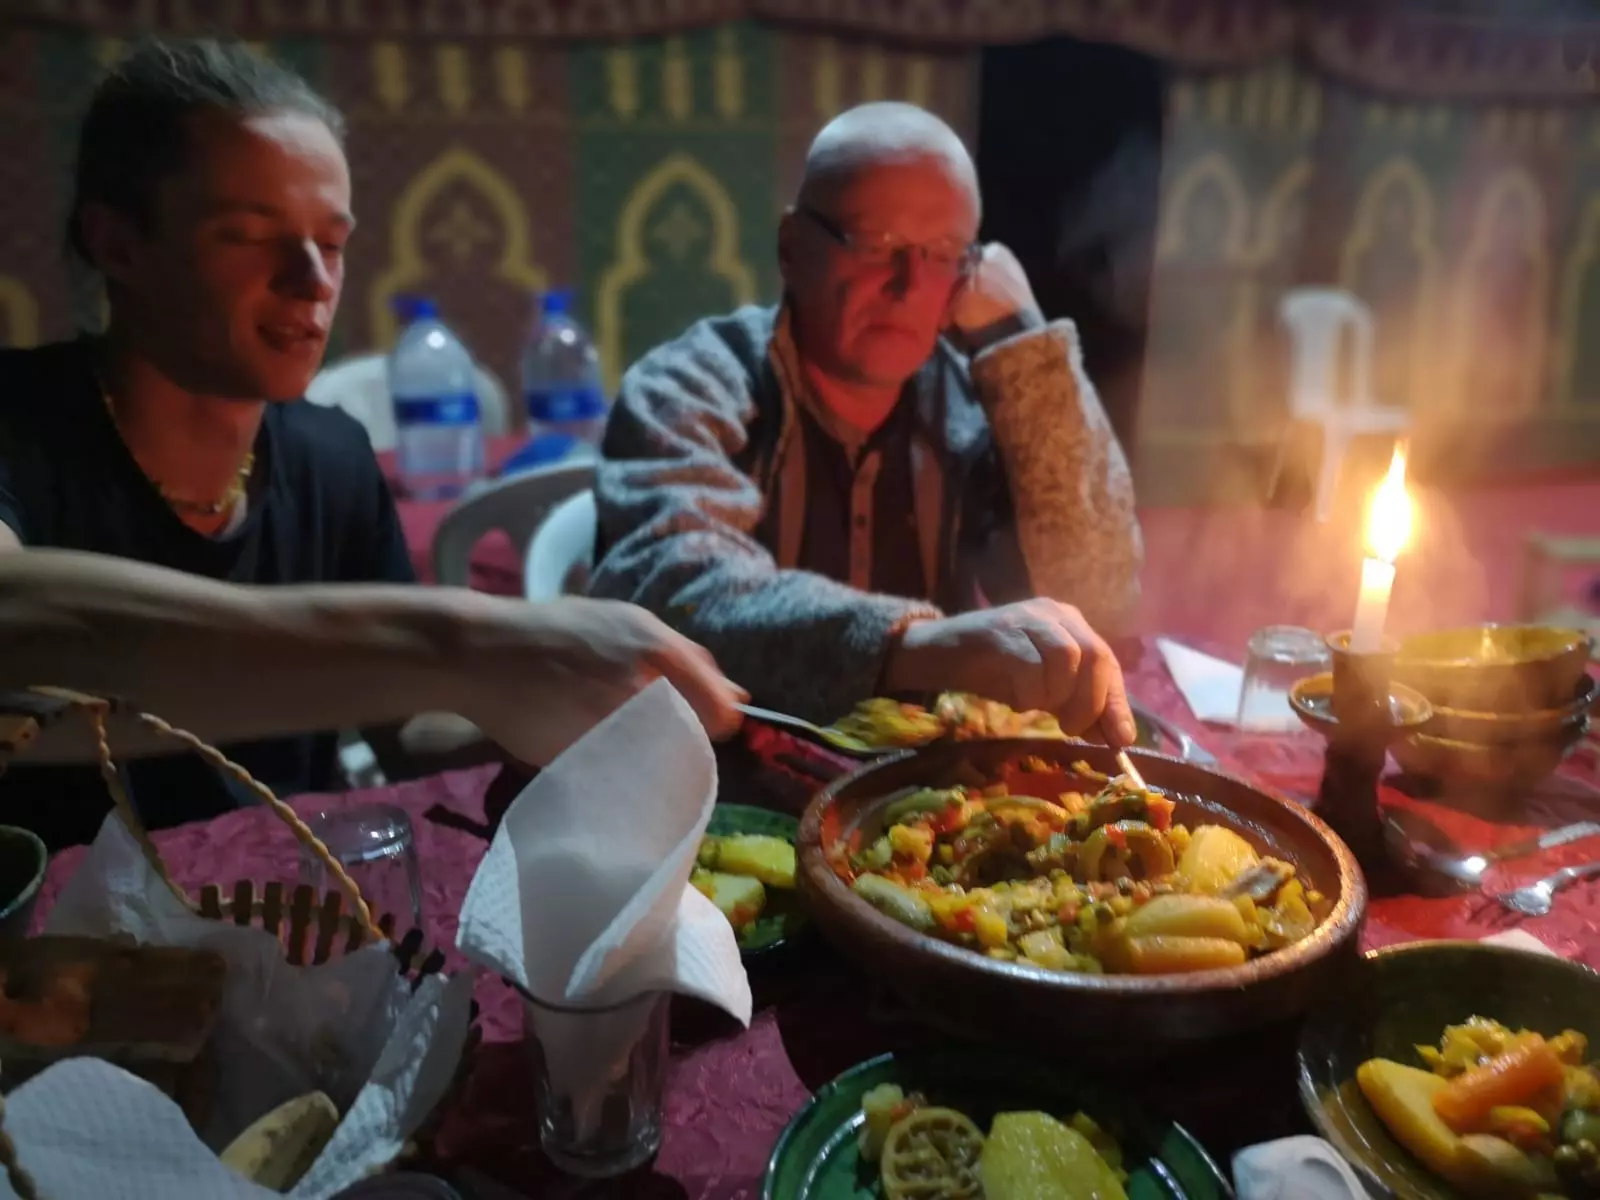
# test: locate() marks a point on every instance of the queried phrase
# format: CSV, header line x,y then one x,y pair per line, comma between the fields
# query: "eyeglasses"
x,y
950,255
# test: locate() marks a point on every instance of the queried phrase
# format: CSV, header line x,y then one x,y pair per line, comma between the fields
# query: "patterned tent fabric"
x,y
1462,56
1445,48
648,173
1472,232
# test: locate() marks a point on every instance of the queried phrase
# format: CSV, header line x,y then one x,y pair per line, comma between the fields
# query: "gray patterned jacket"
x,y
1020,490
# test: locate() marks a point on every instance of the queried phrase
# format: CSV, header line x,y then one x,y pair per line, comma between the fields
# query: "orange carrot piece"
x,y
1510,1078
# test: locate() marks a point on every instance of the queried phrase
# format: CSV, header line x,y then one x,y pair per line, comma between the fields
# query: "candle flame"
x,y
1389,514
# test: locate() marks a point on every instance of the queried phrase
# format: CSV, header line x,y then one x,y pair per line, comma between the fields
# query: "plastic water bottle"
x,y
561,387
433,385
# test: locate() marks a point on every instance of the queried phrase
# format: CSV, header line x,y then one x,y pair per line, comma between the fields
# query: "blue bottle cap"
x,y
541,450
415,308
556,303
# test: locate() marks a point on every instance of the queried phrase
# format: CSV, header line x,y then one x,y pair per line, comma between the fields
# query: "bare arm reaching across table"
x,y
232,663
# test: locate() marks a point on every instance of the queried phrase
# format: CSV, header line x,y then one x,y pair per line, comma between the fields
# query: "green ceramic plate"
x,y
816,1159
1405,995
785,915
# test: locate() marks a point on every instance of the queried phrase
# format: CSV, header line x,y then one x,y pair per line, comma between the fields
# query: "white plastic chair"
x,y
1548,561
561,551
1318,319
360,386
516,504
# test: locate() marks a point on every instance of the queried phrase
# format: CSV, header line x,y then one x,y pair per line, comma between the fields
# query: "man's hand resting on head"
x,y
1037,654
994,301
550,672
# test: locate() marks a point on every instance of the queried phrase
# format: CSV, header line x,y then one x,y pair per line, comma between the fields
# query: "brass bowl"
x,y
1312,701
1096,1016
1508,766
1489,728
1496,668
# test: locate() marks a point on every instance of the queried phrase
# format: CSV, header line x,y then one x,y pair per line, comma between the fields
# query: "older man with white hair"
x,y
899,480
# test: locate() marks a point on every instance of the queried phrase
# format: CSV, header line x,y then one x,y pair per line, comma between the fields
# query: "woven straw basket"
x,y
312,928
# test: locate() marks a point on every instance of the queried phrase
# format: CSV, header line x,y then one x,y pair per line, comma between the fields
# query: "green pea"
x,y
1580,1126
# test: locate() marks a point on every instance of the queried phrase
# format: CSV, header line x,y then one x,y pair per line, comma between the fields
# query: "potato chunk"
x,y
740,898
1178,955
1189,916
1213,857
769,859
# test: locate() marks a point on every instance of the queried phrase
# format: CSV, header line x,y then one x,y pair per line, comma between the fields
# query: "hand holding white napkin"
x,y
583,899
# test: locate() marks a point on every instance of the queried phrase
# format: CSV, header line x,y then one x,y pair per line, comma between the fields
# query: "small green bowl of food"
x,y
746,867
976,1121
1457,1070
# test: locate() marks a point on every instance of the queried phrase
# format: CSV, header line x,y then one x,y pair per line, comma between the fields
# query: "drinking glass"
x,y
1279,657
597,1082
372,842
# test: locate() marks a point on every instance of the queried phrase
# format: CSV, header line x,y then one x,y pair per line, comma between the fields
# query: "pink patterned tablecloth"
x,y
731,1091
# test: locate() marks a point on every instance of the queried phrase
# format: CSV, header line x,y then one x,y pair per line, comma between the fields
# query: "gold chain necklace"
x,y
225,504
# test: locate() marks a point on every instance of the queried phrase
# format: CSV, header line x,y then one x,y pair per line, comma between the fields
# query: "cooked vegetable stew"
x,y
890,724
1072,871
927,1152
1496,1112
738,872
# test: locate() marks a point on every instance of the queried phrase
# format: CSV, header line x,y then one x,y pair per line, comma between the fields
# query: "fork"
x,y
1537,899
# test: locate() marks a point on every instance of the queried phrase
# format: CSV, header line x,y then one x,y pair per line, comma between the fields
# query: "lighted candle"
x,y
1388,527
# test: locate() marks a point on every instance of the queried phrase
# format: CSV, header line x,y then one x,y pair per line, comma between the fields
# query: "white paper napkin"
x,y
352,1027
1294,1168
1211,686
583,898
76,1124
1518,939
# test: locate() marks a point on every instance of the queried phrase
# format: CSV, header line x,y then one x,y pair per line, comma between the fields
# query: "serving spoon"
x,y
825,734
832,737
1188,749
